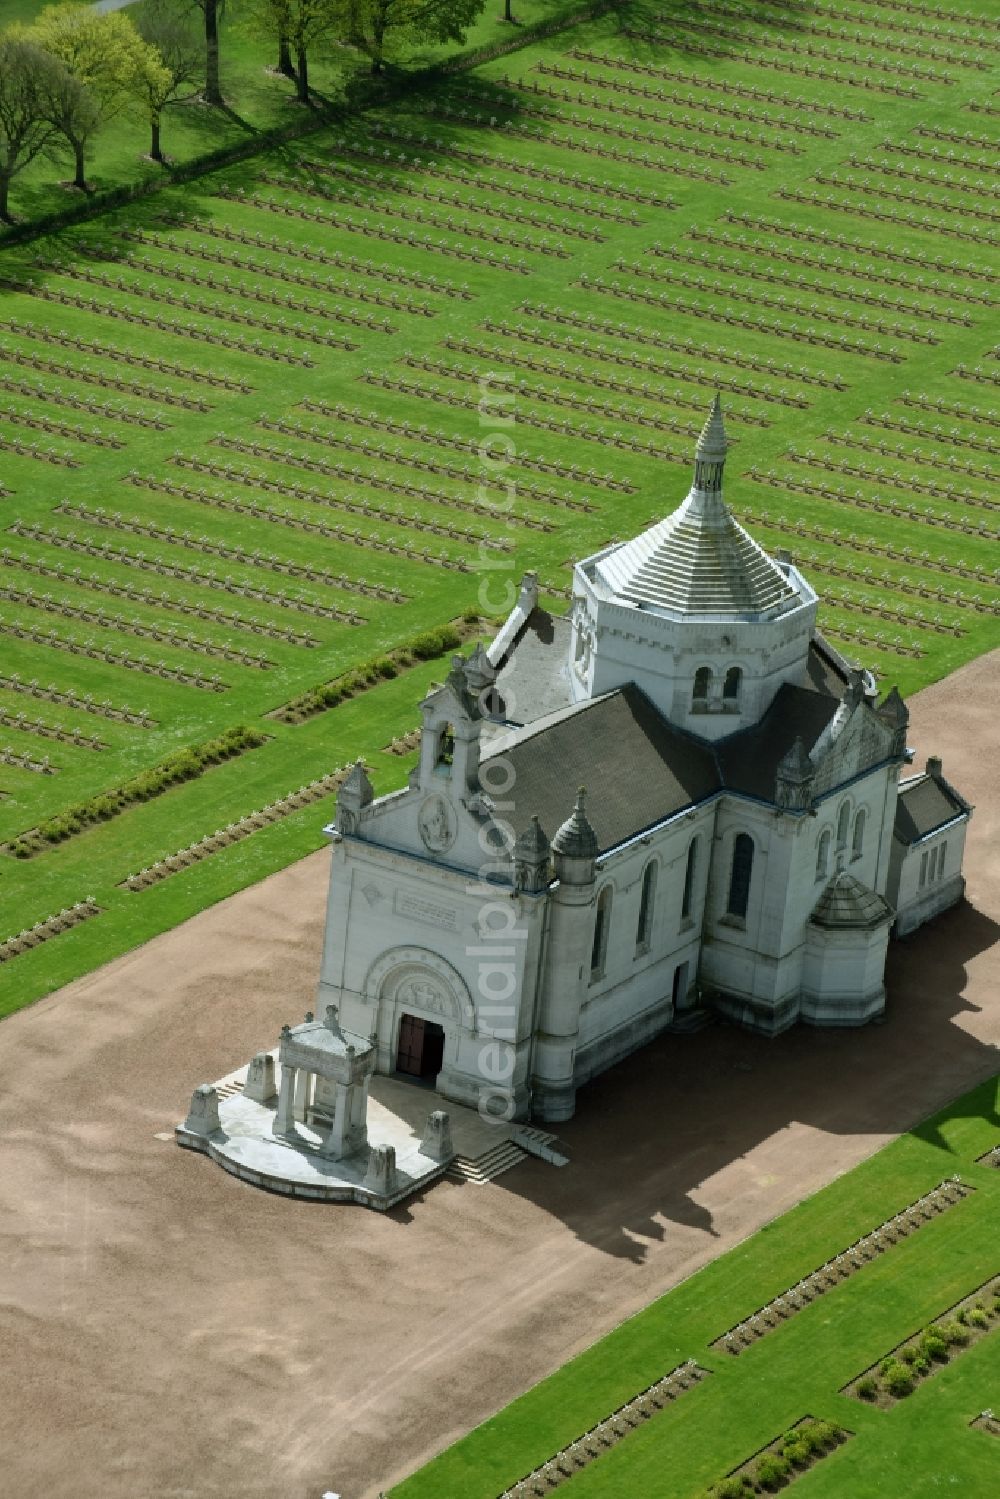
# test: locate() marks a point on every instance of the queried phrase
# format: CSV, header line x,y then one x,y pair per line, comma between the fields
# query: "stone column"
x,y
359,1115
380,1178
437,1141
260,1078
284,1119
334,1143
203,1115
302,1092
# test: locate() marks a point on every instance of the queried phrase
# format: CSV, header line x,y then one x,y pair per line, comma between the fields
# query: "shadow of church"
x,y
652,1131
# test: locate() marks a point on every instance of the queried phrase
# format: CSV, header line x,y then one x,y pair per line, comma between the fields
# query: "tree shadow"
x,y
685,27
650,1135
372,163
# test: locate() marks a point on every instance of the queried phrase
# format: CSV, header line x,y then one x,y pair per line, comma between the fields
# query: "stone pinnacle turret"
x,y
710,450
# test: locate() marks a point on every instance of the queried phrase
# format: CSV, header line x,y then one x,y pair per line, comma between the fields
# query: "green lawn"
x,y
920,1446
335,304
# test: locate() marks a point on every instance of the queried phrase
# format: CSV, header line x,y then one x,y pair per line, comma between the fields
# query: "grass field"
x,y
612,223
921,1446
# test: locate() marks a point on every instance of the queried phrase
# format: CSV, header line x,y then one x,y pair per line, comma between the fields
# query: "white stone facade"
x,y
740,847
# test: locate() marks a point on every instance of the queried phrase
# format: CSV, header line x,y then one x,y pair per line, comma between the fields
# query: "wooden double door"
x,y
421,1047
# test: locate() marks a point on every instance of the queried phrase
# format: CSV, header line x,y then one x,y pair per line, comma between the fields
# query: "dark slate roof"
x,y
923,805
826,669
534,670
749,760
636,767
846,903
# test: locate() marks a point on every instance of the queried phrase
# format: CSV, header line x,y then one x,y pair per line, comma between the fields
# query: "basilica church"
x,y
677,800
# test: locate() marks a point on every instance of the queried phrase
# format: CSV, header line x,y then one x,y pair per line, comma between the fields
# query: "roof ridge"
x,y
541,725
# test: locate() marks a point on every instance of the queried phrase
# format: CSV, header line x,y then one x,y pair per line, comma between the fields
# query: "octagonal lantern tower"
x,y
693,611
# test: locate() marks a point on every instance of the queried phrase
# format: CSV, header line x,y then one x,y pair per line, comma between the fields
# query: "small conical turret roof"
x,y
357,788
699,560
796,764
846,902
533,845
576,838
893,710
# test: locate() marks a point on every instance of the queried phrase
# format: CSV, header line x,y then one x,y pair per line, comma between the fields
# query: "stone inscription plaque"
x,y
420,908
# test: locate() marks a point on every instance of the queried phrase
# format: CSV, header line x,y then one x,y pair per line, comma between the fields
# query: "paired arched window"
x,y
843,823
740,876
689,869
644,928
731,686
702,684
823,855
602,920
858,840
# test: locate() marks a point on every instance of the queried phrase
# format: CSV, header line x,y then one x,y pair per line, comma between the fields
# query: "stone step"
x,y
227,1090
540,1143
688,1022
488,1166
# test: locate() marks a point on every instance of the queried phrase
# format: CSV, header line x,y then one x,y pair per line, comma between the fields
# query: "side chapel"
x,y
745,838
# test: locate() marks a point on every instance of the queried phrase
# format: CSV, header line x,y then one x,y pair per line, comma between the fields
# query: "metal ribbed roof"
x,y
699,560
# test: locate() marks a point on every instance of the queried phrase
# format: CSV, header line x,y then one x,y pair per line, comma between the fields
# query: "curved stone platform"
x,y
245,1145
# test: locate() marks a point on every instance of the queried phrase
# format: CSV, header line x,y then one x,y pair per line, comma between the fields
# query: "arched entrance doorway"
x,y
420,1052
424,1017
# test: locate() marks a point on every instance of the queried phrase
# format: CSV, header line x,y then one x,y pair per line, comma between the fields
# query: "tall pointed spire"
x,y
699,559
710,451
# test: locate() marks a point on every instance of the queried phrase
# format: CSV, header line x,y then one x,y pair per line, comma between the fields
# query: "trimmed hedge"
x,y
424,647
185,765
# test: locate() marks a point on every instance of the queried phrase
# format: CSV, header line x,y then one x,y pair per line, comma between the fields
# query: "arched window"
x,y
689,868
702,682
858,841
602,921
644,929
731,686
739,879
823,855
843,823
445,745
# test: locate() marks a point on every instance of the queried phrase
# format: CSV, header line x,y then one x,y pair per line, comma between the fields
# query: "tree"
x,y
168,32
26,131
102,51
73,111
419,20
211,11
103,55
300,25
